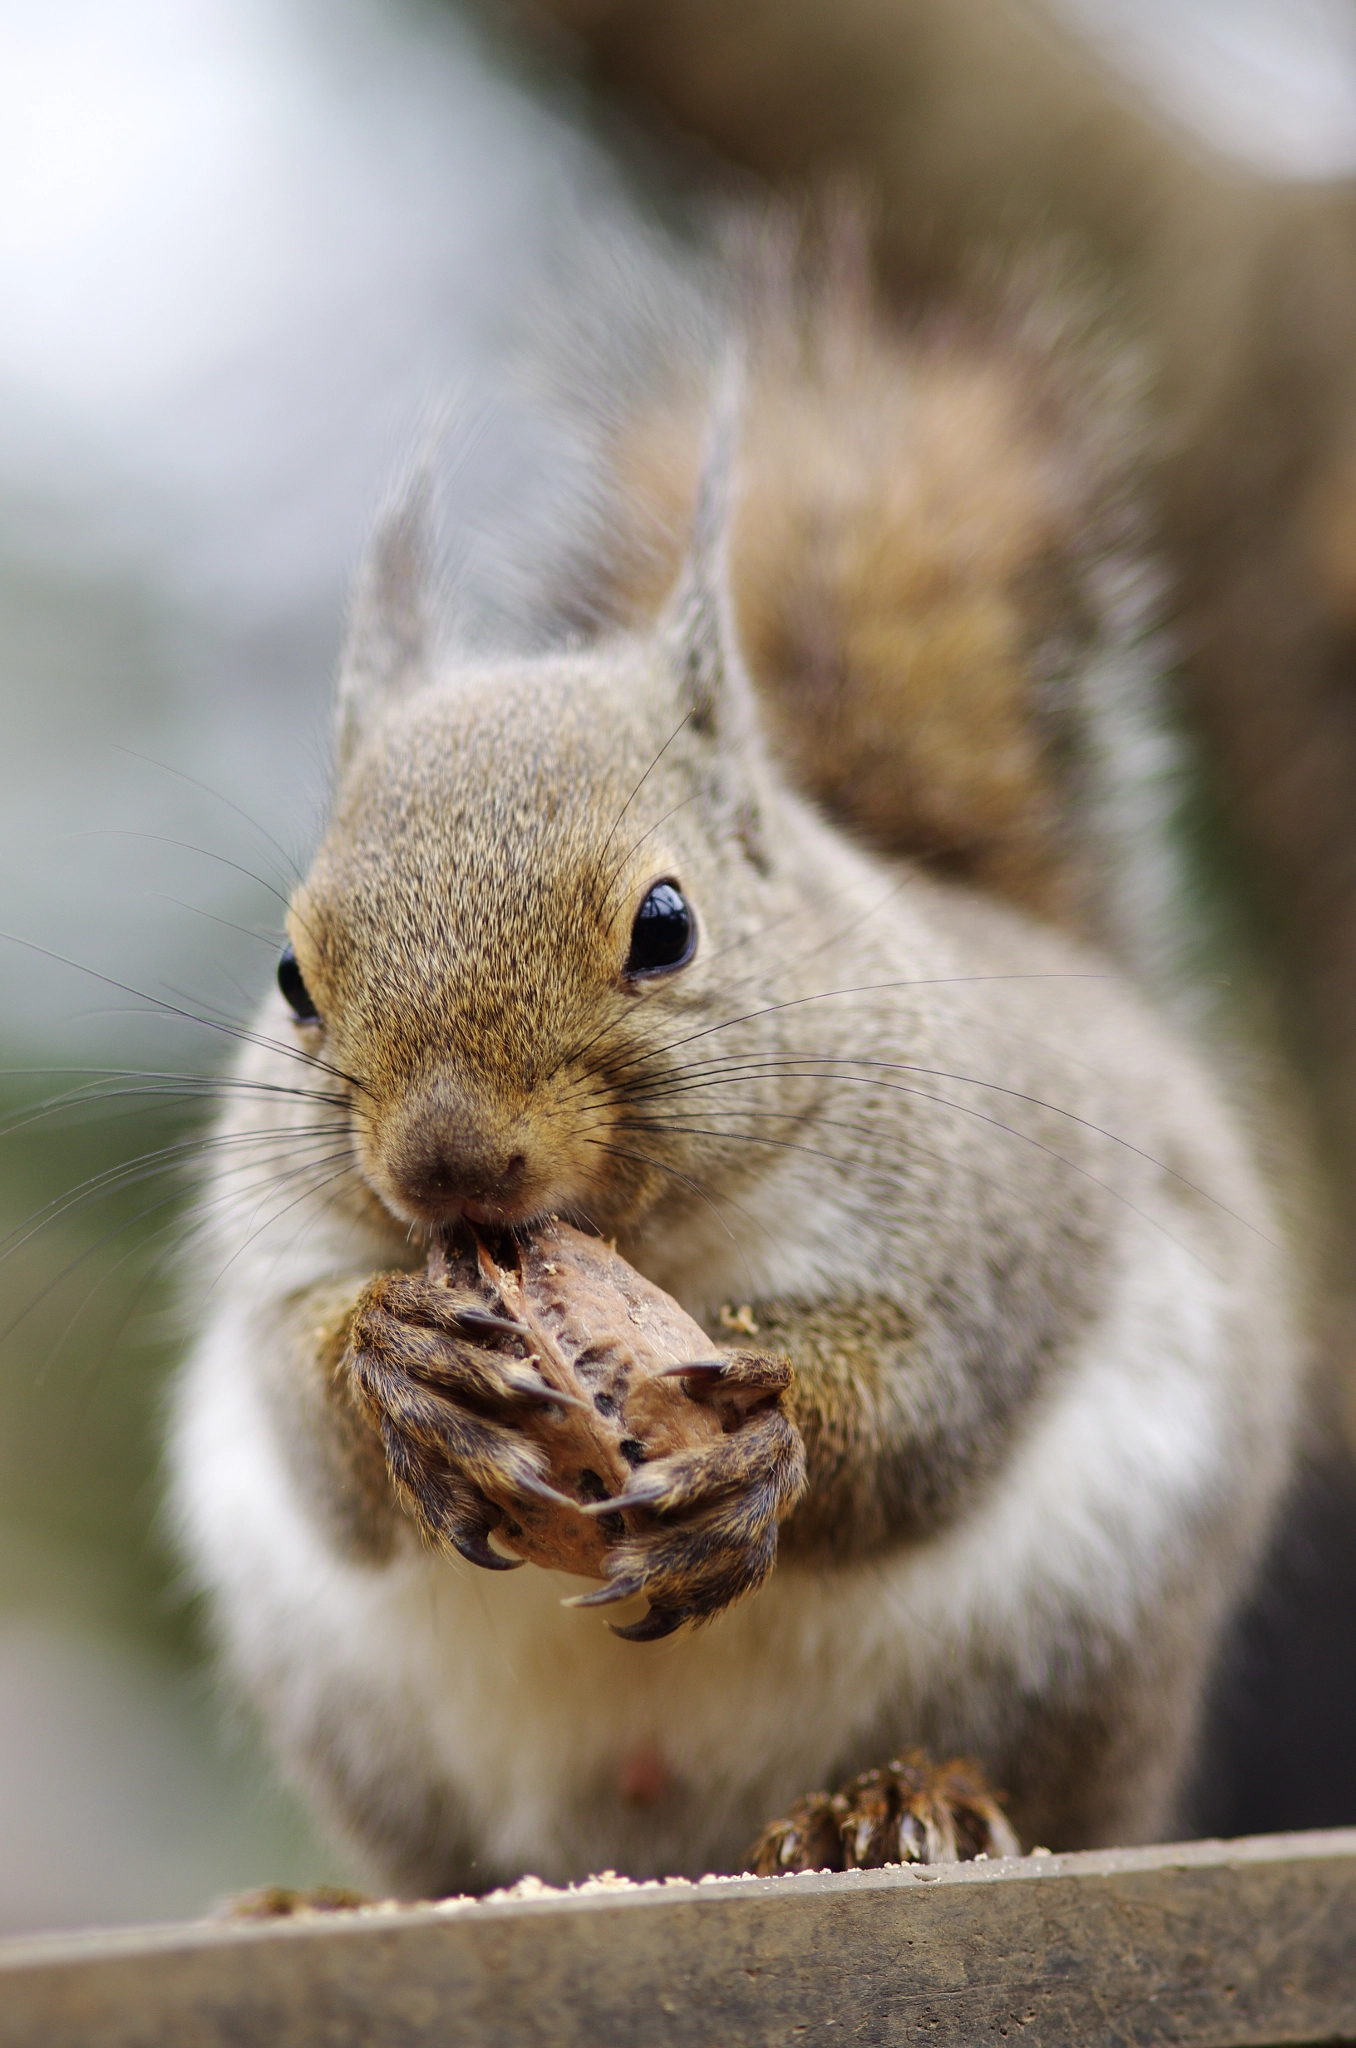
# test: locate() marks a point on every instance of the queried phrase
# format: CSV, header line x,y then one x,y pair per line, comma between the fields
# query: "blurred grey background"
x,y
246,247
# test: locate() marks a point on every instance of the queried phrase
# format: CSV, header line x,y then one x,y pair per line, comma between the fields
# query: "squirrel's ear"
x,y
390,627
697,628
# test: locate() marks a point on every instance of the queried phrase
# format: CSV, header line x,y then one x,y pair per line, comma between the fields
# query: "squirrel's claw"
x,y
653,1627
621,1587
451,1345
528,1482
766,1369
909,1811
471,1544
476,1322
710,1524
756,1457
642,1492
540,1393
445,1508
739,1382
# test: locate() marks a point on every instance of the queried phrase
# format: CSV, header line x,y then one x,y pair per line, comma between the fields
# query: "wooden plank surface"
x,y
1211,1944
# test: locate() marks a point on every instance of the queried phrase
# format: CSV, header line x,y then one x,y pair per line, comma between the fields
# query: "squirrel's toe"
x,y
908,1811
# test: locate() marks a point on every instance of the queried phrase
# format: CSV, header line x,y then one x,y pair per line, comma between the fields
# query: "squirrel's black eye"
x,y
664,933
295,989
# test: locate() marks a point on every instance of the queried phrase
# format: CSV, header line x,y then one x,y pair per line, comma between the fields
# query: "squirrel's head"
x,y
531,906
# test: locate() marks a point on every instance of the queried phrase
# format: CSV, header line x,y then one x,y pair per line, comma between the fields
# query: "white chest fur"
x,y
541,1725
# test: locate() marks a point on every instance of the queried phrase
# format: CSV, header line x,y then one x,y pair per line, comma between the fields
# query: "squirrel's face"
x,y
529,904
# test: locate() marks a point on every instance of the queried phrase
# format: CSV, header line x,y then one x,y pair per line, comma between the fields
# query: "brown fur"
x,y
1042,1386
460,1076
328,1437
912,1811
981,126
919,515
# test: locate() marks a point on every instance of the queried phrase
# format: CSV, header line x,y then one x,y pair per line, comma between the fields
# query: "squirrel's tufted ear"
x,y
390,628
697,629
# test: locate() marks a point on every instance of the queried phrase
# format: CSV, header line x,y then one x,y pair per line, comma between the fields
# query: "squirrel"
x,y
777,927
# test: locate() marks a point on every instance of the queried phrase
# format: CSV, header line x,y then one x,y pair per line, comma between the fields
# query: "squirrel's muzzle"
x,y
435,1159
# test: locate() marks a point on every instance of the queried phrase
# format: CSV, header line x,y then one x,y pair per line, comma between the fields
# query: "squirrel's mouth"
x,y
519,1206
486,1212
519,1216
498,1215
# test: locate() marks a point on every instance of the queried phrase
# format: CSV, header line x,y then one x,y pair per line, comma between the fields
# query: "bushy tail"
x,y
936,571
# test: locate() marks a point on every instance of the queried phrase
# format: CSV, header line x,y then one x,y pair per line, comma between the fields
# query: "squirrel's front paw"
x,y
702,1523
422,1364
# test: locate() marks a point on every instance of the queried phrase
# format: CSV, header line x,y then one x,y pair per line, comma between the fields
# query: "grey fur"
x,y
988,1203
391,631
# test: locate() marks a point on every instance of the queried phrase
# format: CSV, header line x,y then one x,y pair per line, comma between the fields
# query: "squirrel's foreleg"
x,y
902,1418
335,1455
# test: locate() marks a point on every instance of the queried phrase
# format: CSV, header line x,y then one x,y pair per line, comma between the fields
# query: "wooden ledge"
x,y
1217,1944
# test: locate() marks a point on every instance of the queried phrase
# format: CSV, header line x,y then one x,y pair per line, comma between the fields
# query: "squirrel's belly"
x,y
566,1750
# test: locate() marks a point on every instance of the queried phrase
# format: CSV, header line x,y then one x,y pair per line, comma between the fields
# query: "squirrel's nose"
x,y
438,1170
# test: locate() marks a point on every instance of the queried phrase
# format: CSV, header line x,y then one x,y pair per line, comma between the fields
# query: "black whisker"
x,y
270,1221
130,1223
238,1032
246,931
794,1066
798,960
113,1181
162,1098
826,995
616,822
636,844
641,1159
218,797
995,1123
185,846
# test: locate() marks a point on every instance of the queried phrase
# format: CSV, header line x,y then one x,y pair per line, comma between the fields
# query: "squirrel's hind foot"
x,y
911,1811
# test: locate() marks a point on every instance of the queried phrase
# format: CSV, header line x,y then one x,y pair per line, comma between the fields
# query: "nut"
x,y
604,1337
